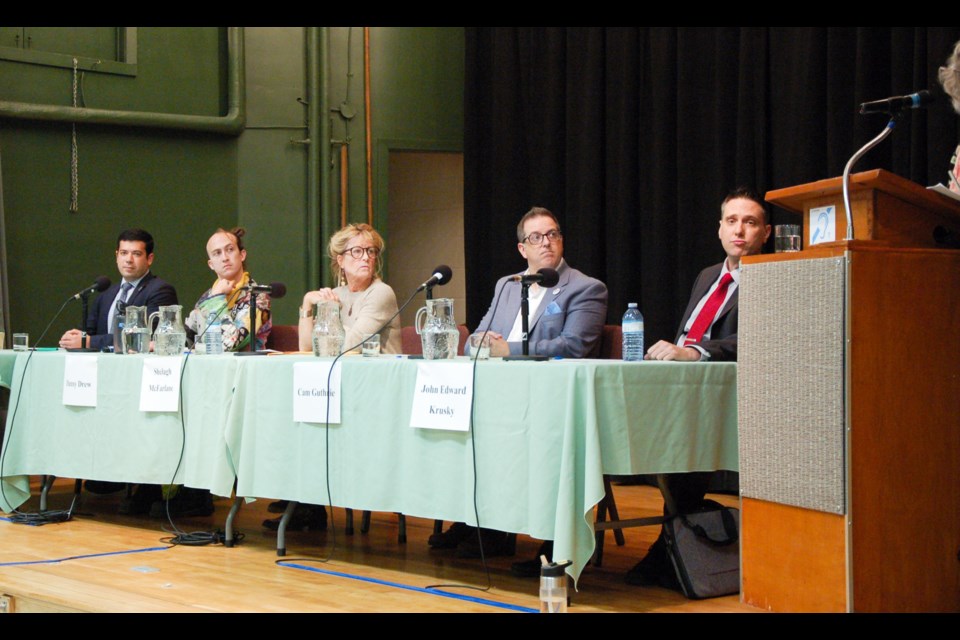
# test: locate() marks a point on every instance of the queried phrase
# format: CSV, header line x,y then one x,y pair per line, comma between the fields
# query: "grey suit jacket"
x,y
722,344
568,322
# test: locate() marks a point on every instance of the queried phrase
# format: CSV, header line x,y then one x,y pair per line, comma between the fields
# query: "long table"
x,y
544,433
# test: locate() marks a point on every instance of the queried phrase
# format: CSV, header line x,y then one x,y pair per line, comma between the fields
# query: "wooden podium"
x,y
849,405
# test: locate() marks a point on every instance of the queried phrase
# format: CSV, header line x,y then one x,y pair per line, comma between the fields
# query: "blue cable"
x,y
90,555
445,594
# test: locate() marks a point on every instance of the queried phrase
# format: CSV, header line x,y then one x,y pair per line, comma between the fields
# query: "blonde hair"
x,y
340,240
950,77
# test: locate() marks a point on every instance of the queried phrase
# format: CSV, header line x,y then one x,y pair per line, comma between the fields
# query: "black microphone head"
x,y
443,274
277,289
550,277
102,283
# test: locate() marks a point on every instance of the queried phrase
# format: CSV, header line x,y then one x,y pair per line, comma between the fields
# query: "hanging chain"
x,y
74,181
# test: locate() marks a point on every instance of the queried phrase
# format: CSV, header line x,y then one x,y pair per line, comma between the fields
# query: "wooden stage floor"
x,y
111,563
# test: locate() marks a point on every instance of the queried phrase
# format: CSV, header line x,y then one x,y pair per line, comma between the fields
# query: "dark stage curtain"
x,y
632,137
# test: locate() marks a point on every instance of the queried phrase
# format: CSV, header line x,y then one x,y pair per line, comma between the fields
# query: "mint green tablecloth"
x,y
546,432
7,360
116,441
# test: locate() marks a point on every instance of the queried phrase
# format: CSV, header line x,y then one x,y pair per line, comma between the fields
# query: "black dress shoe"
x,y
101,487
531,568
186,503
141,501
306,517
278,506
495,543
452,537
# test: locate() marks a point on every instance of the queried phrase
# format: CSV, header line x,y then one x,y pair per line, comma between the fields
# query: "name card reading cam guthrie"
x,y
310,393
80,381
441,399
160,383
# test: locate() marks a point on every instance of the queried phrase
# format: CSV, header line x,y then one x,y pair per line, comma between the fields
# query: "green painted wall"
x,y
416,77
181,186
176,185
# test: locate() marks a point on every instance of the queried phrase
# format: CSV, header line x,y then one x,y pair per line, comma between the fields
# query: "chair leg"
x,y
365,522
607,505
612,508
349,518
438,526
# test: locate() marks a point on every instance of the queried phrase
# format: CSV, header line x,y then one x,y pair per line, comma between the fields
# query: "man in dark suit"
x,y
708,331
137,287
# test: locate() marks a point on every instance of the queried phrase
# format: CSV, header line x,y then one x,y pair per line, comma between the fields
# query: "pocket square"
x,y
552,309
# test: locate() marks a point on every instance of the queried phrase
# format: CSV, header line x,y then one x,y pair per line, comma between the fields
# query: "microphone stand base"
x,y
528,358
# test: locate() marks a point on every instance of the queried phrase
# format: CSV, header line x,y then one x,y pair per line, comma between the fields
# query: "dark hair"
x,y
136,235
746,193
535,212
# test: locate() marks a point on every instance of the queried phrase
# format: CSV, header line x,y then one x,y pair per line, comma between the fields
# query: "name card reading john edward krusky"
x,y
441,399
160,383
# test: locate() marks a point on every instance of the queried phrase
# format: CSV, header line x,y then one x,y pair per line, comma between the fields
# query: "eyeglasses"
x,y
357,253
536,237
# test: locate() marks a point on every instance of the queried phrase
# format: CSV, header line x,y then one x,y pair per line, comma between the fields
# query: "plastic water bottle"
x,y
553,587
632,334
213,337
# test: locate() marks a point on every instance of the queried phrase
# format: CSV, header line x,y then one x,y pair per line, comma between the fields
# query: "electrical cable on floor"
x,y
82,557
398,585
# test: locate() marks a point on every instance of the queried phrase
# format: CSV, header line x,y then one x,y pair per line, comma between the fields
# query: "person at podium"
x,y
950,80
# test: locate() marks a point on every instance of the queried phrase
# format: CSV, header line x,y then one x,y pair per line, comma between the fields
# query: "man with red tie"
x,y
708,332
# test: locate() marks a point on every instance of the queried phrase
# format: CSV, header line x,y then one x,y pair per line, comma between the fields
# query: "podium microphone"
x,y
918,100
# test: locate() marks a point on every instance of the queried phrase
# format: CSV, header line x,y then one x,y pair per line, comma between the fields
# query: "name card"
x,y
80,381
442,396
310,392
160,384
823,224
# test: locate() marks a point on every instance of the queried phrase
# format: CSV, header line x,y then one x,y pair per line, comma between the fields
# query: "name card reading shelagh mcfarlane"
x,y
160,383
442,396
310,392
80,381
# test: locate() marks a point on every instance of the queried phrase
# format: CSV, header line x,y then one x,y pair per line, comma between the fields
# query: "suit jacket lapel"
x,y
140,287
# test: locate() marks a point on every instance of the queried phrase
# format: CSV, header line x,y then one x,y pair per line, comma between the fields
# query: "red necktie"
x,y
709,310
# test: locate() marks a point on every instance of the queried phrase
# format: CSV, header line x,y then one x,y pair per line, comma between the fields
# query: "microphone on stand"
x,y
102,283
441,275
918,100
275,289
545,277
